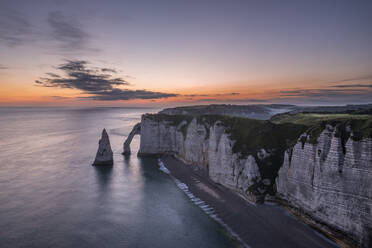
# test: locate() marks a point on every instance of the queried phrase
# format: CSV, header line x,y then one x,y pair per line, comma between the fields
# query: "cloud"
x,y
67,31
108,70
340,95
119,94
99,84
322,92
360,78
59,97
2,67
207,95
352,86
241,100
14,28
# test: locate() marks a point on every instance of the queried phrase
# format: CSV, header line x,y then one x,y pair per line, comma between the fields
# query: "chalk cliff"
x,y
331,181
104,154
207,143
126,147
325,171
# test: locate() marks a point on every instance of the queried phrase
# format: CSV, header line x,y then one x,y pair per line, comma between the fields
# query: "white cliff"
x,y
104,154
331,186
329,180
209,148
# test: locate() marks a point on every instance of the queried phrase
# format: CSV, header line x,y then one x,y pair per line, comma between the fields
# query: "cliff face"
x,y
323,170
209,148
331,182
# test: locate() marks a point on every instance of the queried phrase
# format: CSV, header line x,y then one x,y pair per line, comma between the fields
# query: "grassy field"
x,y
361,125
309,119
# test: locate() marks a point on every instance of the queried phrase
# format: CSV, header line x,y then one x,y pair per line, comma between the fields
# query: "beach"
x,y
255,225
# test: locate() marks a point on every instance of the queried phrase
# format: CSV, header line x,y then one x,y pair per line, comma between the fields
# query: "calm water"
x,y
51,196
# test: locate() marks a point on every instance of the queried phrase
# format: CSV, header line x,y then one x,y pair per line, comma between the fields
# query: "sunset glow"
x,y
240,52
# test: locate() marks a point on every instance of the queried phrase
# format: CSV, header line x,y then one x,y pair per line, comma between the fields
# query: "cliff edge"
x,y
319,164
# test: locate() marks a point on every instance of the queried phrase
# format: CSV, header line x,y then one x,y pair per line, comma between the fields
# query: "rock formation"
x,y
329,180
208,146
126,147
104,154
331,183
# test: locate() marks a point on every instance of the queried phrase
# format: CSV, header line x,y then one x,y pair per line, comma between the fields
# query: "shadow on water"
x,y
126,160
103,176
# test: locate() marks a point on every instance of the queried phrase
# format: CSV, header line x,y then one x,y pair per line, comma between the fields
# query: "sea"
x,y
52,196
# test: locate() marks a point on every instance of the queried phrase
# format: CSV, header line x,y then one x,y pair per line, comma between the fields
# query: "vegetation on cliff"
x,y
277,135
359,124
250,136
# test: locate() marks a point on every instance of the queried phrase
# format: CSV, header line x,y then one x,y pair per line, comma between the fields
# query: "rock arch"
x,y
126,147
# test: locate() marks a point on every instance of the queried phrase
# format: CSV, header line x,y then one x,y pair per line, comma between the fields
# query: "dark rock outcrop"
x,y
104,154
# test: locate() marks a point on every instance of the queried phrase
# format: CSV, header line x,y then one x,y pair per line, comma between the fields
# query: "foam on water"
x,y
200,203
162,167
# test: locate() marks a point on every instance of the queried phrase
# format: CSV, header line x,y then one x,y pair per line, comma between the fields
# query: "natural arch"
x,y
136,130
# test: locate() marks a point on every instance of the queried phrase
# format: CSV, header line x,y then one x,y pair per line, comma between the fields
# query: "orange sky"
x,y
278,52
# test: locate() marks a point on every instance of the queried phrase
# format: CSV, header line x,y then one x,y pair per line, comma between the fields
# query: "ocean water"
x,y
51,196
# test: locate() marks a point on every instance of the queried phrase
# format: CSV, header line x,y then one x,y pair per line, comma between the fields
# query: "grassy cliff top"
x,y
275,135
314,118
249,136
360,124
259,133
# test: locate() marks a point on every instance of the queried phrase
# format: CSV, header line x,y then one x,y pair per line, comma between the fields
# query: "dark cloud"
x,y
195,95
108,70
52,75
14,28
322,92
98,84
360,78
2,67
242,100
59,97
340,95
206,95
353,86
67,31
227,94
119,94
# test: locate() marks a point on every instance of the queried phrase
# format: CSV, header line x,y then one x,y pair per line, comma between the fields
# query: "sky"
x,y
171,52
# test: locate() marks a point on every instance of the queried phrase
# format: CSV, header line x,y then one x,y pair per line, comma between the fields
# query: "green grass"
x,y
310,119
360,124
252,135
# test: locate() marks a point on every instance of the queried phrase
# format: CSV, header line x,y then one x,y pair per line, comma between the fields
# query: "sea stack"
x,y
104,154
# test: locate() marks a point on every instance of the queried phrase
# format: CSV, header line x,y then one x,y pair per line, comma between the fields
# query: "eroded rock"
x,y
104,154
330,186
126,147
